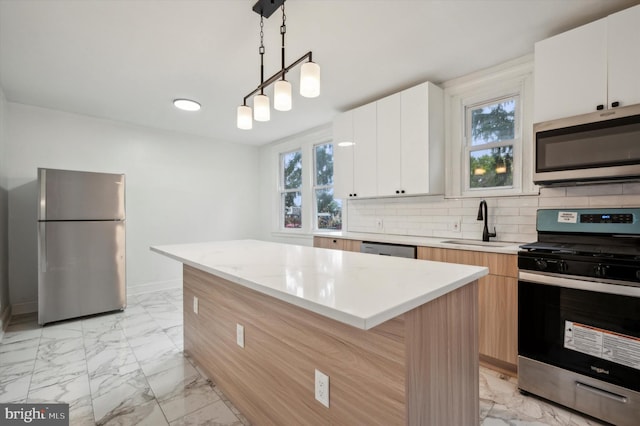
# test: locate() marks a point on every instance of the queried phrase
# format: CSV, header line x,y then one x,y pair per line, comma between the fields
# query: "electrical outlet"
x,y
322,388
195,304
455,225
240,335
379,224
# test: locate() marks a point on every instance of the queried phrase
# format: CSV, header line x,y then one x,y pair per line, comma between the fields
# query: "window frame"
x,y
284,191
516,142
304,141
505,80
316,187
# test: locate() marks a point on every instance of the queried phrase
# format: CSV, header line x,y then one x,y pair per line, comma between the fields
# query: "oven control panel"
x,y
606,218
623,221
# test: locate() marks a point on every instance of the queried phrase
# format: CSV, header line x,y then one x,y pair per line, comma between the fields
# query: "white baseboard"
x,y
24,308
154,286
5,317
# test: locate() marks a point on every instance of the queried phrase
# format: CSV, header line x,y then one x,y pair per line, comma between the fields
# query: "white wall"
x,y
4,231
180,188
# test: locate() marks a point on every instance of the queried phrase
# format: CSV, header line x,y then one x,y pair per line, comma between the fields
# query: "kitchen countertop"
x,y
438,242
354,288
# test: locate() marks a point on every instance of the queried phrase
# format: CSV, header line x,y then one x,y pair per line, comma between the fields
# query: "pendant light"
x,y
261,111
282,98
310,80
245,121
282,88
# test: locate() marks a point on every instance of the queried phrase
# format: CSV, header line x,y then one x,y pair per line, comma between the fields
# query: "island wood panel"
x,y
271,380
442,361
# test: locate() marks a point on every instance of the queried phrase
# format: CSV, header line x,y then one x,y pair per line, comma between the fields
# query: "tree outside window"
x,y
328,211
492,130
291,192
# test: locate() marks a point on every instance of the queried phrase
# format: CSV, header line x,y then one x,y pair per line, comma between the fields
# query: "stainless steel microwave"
x,y
599,146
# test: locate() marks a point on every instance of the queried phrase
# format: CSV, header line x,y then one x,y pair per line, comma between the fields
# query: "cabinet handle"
x,y
350,195
355,195
397,192
615,104
402,191
335,241
600,107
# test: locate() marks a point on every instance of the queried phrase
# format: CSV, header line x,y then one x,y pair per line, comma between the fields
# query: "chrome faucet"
x,y
485,232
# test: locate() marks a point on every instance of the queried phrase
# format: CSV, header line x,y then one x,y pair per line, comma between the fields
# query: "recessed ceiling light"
x,y
186,104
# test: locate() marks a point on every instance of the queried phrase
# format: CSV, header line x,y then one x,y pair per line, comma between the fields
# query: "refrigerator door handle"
x,y
43,247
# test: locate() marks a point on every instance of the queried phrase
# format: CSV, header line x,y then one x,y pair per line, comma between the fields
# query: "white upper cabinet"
x,y
595,66
365,154
398,146
389,145
422,168
354,154
343,147
624,57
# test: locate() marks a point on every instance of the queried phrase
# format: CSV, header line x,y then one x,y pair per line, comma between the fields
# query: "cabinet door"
x,y
422,154
389,146
328,243
624,56
497,315
571,72
365,157
343,147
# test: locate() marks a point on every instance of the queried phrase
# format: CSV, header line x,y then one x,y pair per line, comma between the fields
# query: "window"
x,y
328,211
492,133
291,189
488,135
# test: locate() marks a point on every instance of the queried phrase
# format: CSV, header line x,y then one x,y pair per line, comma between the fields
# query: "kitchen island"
x,y
398,338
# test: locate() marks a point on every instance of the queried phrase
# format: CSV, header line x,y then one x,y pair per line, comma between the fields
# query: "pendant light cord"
x,y
261,50
283,31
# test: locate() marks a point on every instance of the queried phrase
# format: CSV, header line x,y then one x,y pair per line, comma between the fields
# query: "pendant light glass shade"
x,y
282,95
245,120
261,111
310,80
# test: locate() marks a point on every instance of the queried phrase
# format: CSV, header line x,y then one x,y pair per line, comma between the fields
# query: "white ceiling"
x,y
127,60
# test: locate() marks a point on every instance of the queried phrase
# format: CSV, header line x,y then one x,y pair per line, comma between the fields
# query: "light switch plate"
x,y
240,335
195,304
322,388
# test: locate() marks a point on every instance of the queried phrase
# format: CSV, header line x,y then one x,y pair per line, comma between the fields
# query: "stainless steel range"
x,y
579,312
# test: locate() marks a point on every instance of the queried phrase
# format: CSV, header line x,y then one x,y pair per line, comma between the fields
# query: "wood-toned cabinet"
x,y
497,303
337,243
595,66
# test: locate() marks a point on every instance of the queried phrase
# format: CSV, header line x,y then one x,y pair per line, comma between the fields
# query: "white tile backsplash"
x,y
513,217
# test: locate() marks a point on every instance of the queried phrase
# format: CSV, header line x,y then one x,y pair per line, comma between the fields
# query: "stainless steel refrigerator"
x,y
81,244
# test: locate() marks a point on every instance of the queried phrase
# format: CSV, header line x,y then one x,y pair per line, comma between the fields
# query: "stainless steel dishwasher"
x,y
386,249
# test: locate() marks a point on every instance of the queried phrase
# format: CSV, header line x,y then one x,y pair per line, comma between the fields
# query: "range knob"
x,y
563,266
600,270
541,264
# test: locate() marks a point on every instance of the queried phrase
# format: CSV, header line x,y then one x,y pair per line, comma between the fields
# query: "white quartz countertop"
x,y
361,290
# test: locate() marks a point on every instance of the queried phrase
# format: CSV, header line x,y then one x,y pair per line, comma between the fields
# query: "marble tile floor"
x,y
127,368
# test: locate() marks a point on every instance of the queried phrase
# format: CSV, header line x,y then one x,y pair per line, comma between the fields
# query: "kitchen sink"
x,y
479,243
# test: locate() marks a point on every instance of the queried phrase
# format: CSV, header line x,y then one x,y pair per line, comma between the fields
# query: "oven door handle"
x,y
561,281
601,392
